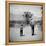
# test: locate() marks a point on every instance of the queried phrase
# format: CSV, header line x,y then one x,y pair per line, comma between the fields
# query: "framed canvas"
x,y
25,22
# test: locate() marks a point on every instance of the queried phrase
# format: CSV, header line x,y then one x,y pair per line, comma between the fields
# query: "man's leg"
x,y
32,26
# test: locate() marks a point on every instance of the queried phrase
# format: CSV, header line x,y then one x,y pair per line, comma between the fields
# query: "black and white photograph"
x,y
25,22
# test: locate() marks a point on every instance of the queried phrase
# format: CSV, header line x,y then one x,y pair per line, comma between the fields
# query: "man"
x,y
28,15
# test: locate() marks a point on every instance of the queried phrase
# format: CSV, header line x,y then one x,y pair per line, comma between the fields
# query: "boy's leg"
x,y
21,32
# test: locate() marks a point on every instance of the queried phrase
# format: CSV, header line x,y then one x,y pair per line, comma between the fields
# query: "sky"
x,y
16,11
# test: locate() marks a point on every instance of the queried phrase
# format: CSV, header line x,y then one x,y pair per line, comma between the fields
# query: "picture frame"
x,y
8,3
